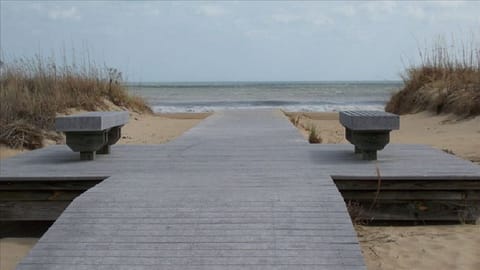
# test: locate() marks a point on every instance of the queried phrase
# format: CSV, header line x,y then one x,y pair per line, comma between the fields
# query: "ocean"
x,y
289,96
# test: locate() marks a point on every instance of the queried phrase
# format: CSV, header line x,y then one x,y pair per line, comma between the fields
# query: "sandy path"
x,y
157,129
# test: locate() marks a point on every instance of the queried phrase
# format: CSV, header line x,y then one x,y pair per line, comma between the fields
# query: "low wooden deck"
x,y
242,190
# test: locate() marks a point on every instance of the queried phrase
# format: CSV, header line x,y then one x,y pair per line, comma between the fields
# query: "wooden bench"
x,y
92,132
368,131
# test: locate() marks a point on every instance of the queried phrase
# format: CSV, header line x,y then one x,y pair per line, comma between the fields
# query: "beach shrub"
x,y
313,136
34,90
446,81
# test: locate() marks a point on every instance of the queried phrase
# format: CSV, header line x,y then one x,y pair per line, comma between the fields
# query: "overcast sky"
x,y
237,41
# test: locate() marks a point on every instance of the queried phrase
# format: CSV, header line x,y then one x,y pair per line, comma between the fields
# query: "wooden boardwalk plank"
x,y
242,190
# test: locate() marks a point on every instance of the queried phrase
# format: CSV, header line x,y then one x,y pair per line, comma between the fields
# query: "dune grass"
x,y
446,81
313,136
34,90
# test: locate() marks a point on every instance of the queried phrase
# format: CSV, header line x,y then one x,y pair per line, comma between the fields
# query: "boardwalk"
x,y
242,190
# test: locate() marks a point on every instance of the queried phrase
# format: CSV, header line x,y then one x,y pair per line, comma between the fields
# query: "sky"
x,y
236,40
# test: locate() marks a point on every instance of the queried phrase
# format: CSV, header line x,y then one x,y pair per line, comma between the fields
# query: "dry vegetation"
x,y
447,81
313,135
34,90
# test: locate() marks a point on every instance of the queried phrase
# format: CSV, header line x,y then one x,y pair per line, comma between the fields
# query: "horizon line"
x,y
265,81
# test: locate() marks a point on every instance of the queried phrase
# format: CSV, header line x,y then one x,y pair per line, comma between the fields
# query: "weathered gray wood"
x,y
420,210
80,184
412,200
31,210
368,131
113,136
91,121
93,132
37,200
39,195
238,184
395,184
223,196
320,160
369,120
439,195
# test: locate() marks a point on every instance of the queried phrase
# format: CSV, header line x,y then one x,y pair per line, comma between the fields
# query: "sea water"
x,y
289,96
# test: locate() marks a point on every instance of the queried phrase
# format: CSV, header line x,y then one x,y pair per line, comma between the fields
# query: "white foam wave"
x,y
292,108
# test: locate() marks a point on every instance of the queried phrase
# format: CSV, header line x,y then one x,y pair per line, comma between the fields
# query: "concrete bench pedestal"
x,y
92,133
368,131
368,143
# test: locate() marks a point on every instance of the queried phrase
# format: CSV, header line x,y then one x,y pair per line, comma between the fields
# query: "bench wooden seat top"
x,y
92,132
369,120
91,121
369,131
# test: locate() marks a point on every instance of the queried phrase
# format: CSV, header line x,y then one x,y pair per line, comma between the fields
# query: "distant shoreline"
x,y
227,83
289,96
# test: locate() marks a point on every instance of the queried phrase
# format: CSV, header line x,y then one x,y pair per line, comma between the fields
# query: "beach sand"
x,y
141,129
384,247
157,129
420,247
6,152
414,247
12,250
460,137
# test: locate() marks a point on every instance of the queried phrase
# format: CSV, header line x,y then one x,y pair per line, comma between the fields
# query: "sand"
x,y
6,152
12,250
443,132
157,129
141,129
414,247
388,247
460,137
421,247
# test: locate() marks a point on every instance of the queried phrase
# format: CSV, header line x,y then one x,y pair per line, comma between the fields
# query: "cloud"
x,y
256,33
416,12
285,18
320,20
347,10
380,10
449,4
382,6
312,18
445,12
211,11
153,11
64,13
